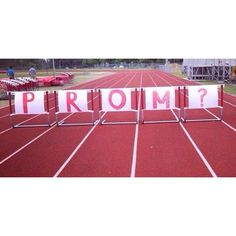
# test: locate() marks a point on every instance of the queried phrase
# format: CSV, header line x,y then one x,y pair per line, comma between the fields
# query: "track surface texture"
x,y
192,149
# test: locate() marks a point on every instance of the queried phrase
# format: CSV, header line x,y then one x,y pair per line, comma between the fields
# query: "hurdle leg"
x,y
142,116
93,121
100,117
221,113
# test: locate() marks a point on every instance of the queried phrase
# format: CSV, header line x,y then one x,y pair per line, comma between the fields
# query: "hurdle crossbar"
x,y
47,123
67,123
175,111
216,118
101,112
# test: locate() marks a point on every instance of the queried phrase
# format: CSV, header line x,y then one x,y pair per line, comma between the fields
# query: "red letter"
x,y
123,99
70,101
27,99
165,99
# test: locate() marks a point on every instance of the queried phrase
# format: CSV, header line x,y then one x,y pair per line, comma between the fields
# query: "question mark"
x,y
204,93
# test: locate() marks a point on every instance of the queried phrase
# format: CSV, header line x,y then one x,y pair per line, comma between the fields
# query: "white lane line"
x,y
232,95
76,149
230,103
82,142
192,141
4,116
6,130
231,127
135,147
198,151
27,144
36,138
4,107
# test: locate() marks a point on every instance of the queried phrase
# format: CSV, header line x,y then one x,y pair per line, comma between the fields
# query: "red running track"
x,y
198,149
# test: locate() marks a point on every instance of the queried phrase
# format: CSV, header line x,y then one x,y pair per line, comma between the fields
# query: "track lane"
x,y
5,124
110,149
228,98
164,149
52,145
13,134
228,110
37,118
30,162
217,142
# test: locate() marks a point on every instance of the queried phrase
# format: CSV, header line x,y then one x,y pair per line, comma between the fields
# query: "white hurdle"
x,y
73,101
117,100
28,103
203,97
120,100
160,98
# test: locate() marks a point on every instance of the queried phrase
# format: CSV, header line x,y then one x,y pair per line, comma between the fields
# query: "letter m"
x,y
158,101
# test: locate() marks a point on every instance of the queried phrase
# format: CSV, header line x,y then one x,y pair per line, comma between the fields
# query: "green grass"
x,y
179,74
25,74
228,88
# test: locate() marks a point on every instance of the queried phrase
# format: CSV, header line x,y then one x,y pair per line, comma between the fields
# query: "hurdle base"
x,y
177,120
160,121
217,118
22,125
63,123
33,125
104,122
201,120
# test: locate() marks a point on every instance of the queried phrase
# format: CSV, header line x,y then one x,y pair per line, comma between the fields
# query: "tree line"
x,y
24,64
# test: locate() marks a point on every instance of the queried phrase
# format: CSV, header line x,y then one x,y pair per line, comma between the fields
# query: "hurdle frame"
x,y
21,124
177,116
63,123
185,108
101,112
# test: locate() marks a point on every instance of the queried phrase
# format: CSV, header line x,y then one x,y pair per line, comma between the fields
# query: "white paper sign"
x,y
31,102
160,98
116,99
204,96
72,101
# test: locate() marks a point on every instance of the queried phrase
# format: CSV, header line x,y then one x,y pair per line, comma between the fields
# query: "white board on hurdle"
x,y
160,98
203,97
116,100
30,103
73,101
